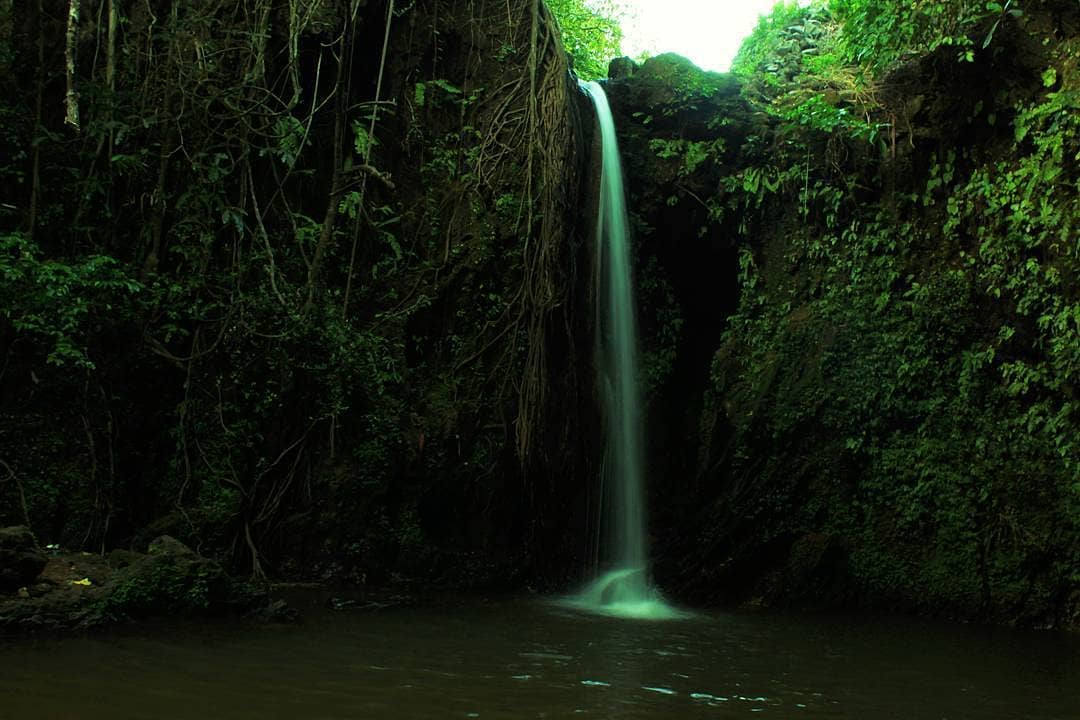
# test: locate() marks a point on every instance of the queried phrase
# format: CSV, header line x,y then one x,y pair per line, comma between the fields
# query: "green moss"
x,y
164,584
900,372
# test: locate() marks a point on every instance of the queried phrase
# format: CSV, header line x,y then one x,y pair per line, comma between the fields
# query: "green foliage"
x,y
689,153
778,36
165,585
1022,212
58,301
290,136
263,274
819,64
916,349
794,65
591,33
447,92
879,34
192,265
931,454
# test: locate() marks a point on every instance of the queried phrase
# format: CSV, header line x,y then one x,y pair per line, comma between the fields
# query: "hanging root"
x,y
550,163
72,98
526,148
528,123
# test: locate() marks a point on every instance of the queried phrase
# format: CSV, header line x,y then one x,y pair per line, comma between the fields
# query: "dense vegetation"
x,y
934,288
893,397
591,33
306,284
272,269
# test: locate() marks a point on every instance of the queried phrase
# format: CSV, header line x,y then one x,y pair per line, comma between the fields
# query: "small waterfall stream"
x,y
625,589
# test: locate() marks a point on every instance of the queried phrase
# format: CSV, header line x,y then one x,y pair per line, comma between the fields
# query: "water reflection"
x,y
529,660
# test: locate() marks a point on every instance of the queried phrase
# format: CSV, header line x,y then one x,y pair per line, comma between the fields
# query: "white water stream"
x,y
625,589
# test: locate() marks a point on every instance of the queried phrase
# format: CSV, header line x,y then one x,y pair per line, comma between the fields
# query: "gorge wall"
x,y
862,317
322,308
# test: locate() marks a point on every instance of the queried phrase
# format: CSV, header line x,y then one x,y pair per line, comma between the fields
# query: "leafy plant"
x,y
913,337
56,300
591,33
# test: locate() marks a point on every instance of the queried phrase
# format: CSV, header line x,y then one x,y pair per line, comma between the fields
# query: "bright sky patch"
x,y
708,32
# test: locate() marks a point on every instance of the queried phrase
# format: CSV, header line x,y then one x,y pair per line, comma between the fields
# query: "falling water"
x,y
625,589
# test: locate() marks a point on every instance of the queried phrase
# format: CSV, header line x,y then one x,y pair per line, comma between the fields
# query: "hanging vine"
x,y
298,196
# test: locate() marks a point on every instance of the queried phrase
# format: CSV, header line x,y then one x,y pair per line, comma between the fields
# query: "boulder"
x,y
21,560
168,545
669,81
171,578
79,590
621,67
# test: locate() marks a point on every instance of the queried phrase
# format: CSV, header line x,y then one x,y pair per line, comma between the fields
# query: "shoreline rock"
x,y
79,591
21,560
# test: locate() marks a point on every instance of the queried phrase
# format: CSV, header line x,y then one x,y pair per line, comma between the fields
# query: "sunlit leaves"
x,y
591,33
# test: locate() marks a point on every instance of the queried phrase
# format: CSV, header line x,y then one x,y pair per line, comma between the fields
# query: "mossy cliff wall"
x,y
879,298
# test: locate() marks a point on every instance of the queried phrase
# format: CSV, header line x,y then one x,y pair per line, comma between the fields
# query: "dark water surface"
x,y
530,659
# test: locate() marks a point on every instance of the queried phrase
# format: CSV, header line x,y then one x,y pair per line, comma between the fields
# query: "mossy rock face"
x,y
168,545
681,131
863,437
171,579
668,93
669,79
621,67
84,590
174,578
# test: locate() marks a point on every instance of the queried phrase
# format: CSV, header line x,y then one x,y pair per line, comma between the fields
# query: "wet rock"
x,y
168,545
667,103
39,589
363,604
814,574
21,560
67,596
77,591
277,611
171,578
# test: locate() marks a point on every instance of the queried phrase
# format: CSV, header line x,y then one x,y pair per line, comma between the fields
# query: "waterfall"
x,y
625,589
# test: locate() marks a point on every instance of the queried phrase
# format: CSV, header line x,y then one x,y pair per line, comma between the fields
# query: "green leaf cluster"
x,y
58,302
821,64
591,33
